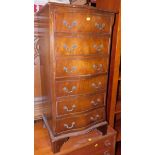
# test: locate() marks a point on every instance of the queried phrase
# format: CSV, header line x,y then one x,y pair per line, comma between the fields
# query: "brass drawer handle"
x,y
69,26
73,69
94,118
95,103
67,91
99,47
97,86
106,153
69,127
98,67
107,143
69,110
71,49
100,26
89,139
96,145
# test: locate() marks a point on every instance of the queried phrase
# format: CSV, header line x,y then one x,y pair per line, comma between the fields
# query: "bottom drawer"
x,y
91,144
99,147
80,121
92,150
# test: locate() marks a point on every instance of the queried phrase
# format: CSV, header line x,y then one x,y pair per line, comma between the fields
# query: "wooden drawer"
x,y
81,103
83,22
94,149
80,121
100,147
81,86
91,143
81,45
73,67
104,146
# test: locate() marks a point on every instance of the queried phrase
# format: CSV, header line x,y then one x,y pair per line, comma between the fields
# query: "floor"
x,y
42,142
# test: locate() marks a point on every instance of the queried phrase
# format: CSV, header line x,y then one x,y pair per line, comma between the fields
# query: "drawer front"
x,y
73,67
91,150
94,149
80,121
104,146
81,86
83,22
69,46
77,104
92,143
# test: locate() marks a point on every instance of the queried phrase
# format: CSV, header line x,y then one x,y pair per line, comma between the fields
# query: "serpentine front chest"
x,y
74,48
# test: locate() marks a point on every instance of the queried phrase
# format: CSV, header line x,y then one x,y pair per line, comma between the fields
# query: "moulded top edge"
x,y
73,6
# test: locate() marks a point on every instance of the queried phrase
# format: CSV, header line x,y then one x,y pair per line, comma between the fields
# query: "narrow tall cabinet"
x,y
74,55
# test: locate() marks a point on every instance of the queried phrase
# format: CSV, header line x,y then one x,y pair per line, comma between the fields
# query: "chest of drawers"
x,y
74,47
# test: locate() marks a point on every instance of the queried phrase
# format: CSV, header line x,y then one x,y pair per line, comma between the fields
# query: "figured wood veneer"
x,y
74,53
81,45
80,121
81,103
82,22
81,86
81,67
77,145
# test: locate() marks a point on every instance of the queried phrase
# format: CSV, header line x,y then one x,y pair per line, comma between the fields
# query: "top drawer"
x,y
83,22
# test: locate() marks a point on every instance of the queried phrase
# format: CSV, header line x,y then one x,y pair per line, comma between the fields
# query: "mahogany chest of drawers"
x,y
74,50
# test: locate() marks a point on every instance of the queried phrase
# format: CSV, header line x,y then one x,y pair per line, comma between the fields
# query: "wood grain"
x,y
68,76
75,145
81,86
81,67
77,104
114,97
81,45
82,22
80,121
110,5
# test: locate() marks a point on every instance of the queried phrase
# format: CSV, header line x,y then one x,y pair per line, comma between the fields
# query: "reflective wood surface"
x,y
75,145
84,73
